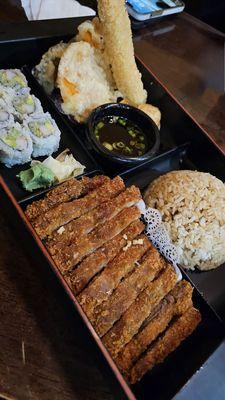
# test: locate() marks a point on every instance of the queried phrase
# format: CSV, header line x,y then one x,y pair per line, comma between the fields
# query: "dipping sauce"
x,y
121,136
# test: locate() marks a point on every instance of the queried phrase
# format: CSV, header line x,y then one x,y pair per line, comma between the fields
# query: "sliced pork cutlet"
x,y
69,190
179,330
95,262
72,255
174,304
99,290
65,212
130,322
127,291
79,227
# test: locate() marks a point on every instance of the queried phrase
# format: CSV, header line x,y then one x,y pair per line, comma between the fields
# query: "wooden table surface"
x,y
188,57
43,352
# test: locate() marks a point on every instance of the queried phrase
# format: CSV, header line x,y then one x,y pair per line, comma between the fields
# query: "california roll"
x,y
13,78
26,104
44,133
15,145
6,118
6,95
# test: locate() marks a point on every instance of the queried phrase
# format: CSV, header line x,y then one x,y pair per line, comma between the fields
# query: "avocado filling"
x,y
41,129
11,79
12,139
25,104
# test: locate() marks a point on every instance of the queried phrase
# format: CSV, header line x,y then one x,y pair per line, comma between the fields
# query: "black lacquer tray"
x,y
183,146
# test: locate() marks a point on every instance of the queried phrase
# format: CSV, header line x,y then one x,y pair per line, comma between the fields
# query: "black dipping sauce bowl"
x,y
136,117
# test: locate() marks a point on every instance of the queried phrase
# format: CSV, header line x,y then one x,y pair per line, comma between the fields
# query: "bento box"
x,y
182,146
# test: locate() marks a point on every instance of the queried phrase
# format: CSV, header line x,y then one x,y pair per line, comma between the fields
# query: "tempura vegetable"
x,y
120,51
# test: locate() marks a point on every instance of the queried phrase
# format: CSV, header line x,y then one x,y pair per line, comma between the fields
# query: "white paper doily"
x,y
158,235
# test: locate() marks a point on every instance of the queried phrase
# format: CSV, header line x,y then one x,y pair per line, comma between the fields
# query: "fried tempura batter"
x,y
152,111
91,32
46,70
120,50
83,81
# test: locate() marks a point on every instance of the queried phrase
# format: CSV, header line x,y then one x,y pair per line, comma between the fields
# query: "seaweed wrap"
x,y
44,133
13,78
26,104
15,145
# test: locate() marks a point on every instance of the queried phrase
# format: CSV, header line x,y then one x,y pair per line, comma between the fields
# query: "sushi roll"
x,y
15,145
26,104
13,78
6,116
44,133
6,95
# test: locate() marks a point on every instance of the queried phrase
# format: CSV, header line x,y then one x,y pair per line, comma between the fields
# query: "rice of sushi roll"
x,y
15,145
6,95
13,78
44,133
26,104
6,117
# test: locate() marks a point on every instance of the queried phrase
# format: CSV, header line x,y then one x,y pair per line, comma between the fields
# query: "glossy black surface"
x,y
135,116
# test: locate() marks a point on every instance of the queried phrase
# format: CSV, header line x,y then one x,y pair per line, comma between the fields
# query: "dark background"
x,y
209,11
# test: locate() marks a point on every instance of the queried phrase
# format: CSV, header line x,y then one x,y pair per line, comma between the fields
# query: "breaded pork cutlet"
x,y
65,212
127,291
95,262
175,303
179,330
130,322
67,191
99,290
87,222
69,257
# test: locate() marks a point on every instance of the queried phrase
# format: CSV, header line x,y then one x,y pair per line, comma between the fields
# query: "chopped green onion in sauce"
x,y
121,136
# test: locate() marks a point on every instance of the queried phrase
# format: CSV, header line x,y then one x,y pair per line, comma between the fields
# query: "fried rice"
x,y
193,208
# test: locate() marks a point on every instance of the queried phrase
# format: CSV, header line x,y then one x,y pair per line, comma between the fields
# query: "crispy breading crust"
x,y
69,190
65,212
83,225
72,255
96,261
130,322
175,303
133,300
99,290
128,290
174,335
120,50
